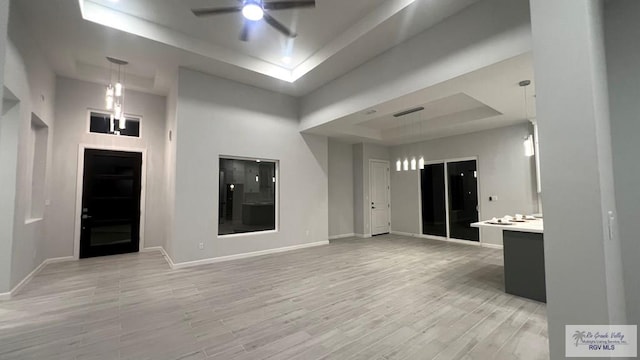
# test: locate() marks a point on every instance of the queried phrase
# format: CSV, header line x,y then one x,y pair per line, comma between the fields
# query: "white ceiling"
x,y
484,99
158,36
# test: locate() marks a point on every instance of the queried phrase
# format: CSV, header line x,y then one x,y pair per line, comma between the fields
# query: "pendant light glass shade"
x,y
405,165
414,165
421,163
117,111
115,94
398,165
529,149
109,102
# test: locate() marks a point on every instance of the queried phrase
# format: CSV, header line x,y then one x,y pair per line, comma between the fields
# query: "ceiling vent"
x,y
407,112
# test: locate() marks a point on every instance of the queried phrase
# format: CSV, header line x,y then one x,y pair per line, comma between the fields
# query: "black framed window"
x,y
247,196
101,123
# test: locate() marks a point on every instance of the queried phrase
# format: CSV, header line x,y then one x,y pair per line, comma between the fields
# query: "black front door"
x,y
110,203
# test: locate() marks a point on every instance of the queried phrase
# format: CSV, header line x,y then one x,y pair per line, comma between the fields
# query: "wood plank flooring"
x,y
384,298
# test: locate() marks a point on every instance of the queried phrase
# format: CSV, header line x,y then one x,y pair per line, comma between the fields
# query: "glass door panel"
x,y
434,210
463,200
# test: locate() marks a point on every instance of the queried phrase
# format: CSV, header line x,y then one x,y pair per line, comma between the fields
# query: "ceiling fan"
x,y
257,10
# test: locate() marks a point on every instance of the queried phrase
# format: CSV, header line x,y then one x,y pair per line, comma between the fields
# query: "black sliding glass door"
x,y
463,200
434,211
450,200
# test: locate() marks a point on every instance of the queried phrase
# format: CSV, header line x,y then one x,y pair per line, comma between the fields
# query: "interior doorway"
x,y
111,203
379,193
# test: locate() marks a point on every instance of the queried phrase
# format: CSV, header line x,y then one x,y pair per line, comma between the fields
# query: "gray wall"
x,y
358,189
170,163
30,80
340,189
582,261
6,193
623,60
222,117
481,35
503,170
73,100
4,22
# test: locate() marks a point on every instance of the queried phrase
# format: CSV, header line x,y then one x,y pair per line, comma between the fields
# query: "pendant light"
x,y
528,144
115,93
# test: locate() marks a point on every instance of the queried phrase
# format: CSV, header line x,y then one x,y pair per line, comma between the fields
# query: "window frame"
x,y
107,112
276,197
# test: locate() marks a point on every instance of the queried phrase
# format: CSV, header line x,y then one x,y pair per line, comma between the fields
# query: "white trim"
x,y
388,163
492,246
400,233
466,242
31,275
433,237
363,236
79,187
241,256
245,234
106,112
341,236
444,239
162,251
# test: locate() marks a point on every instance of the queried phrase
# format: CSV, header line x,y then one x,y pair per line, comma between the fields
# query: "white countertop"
x,y
533,226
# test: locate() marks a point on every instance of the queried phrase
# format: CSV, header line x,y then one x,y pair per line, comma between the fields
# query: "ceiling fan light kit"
x,y
252,10
258,10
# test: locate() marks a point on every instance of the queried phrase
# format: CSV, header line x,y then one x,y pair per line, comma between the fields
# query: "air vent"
x,y
407,112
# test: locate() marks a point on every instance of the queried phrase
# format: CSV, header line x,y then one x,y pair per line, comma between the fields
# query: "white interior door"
x,y
379,193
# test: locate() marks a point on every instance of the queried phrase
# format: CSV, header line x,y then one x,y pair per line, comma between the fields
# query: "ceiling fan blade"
x,y
279,26
244,35
282,5
216,11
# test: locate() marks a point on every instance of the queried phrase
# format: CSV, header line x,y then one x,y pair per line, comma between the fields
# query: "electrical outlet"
x,y
493,198
201,246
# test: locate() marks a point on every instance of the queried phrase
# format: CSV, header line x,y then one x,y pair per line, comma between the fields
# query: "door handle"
x,y
373,207
85,217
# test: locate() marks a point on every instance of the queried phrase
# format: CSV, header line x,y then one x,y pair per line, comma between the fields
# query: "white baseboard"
x,y
401,233
363,236
164,254
439,238
492,246
34,272
240,256
341,236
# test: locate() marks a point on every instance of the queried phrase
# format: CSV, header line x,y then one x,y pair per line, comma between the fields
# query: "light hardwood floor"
x,y
388,297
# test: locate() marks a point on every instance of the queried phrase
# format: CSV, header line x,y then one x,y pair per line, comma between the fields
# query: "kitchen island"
x,y
524,273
